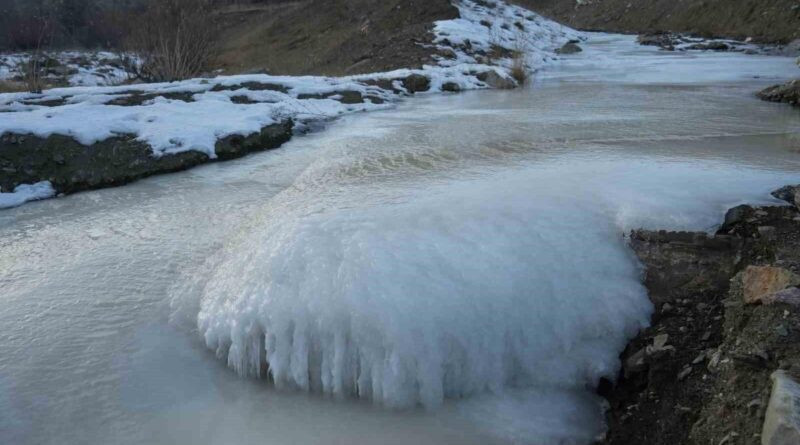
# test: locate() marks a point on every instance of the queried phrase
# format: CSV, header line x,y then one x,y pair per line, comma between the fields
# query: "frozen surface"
x,y
425,231
25,193
655,66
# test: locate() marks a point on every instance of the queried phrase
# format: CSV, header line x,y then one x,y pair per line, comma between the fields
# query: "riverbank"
x,y
727,318
74,139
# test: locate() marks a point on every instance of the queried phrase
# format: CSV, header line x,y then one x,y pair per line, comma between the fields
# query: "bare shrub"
x,y
519,58
175,39
519,67
36,67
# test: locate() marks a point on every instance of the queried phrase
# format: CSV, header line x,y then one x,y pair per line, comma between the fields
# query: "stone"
x,y
684,373
495,80
787,193
761,281
789,295
569,48
782,420
735,215
788,92
416,83
451,87
663,40
635,363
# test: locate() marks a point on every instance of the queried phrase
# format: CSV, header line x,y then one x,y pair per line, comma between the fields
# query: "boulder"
x,y
782,420
451,87
569,48
787,93
761,281
497,81
415,83
787,193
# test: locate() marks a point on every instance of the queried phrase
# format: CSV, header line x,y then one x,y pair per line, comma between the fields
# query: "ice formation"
x,y
457,290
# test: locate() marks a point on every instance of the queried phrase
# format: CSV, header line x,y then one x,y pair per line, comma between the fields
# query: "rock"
x,y
663,40
451,87
635,363
787,93
787,193
681,263
495,80
735,215
416,83
710,46
786,296
767,232
782,420
569,48
761,281
714,360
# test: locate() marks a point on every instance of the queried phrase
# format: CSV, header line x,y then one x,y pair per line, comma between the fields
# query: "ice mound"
x,y
464,288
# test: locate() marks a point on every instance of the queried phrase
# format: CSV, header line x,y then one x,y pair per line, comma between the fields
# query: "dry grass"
x,y
519,67
10,86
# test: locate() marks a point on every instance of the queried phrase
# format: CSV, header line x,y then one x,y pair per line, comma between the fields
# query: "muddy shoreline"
x,y
700,374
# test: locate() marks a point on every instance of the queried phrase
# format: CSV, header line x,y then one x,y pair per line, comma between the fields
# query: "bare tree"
x,y
38,64
175,38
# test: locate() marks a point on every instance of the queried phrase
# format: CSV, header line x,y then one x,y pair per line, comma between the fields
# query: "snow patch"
x,y
25,193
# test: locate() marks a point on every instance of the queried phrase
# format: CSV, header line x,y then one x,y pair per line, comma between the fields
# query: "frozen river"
x,y
451,271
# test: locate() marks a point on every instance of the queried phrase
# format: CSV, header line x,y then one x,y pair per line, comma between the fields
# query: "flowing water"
x,y
451,271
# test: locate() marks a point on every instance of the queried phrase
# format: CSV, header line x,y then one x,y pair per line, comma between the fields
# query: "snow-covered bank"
x,y
194,115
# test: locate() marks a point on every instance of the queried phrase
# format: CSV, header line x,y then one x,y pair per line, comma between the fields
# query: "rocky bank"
x,y
726,330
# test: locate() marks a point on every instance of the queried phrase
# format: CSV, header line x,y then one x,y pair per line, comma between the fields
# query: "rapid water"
x,y
452,271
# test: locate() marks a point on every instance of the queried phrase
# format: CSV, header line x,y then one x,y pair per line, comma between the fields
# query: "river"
x,y
450,271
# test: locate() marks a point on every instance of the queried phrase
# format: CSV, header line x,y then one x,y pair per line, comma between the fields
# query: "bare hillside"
x,y
763,20
332,37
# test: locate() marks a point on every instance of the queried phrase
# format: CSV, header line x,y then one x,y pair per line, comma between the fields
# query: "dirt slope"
x,y
763,20
332,37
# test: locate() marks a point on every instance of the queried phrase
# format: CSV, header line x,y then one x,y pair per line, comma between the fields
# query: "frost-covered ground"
x,y
77,68
194,114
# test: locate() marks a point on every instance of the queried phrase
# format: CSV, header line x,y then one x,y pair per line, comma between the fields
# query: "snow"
x,y
510,27
79,68
172,126
25,193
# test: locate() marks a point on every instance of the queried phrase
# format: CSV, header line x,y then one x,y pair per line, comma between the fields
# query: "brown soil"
x,y
331,37
763,20
710,383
